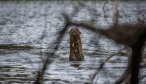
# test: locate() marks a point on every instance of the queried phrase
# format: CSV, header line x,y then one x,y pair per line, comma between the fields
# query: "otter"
x,y
75,45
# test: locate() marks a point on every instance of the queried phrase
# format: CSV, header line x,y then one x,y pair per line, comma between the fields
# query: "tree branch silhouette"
x,y
133,36
48,61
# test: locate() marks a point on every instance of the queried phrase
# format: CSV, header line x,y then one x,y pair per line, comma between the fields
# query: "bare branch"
x,y
100,67
127,71
116,13
134,38
103,9
142,77
51,53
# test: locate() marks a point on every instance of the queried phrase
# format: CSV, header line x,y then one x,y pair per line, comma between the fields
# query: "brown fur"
x,y
75,46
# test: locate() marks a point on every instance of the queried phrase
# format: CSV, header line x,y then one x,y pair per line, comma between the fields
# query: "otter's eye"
x,y
70,31
77,30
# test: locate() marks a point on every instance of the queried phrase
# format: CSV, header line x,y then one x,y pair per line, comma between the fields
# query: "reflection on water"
x,y
35,24
20,66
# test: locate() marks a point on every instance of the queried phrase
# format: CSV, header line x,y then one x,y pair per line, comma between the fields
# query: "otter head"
x,y
74,31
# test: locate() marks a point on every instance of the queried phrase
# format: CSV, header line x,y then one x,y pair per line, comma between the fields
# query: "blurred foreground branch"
x,y
133,36
51,53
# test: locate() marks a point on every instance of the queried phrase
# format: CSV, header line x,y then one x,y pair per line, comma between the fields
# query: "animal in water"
x,y
75,45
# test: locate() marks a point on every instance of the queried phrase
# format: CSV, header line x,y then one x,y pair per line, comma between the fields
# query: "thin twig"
x,y
116,13
52,53
103,9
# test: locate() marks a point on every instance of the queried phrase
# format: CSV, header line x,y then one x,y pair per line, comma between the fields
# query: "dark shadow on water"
x,y
15,46
76,64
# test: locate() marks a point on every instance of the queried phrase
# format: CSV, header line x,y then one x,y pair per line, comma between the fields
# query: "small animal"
x,y
75,45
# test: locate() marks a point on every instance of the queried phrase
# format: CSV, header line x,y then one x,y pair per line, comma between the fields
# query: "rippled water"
x,y
36,23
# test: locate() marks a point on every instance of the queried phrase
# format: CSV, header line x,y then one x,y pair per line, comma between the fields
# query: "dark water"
x,y
36,23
